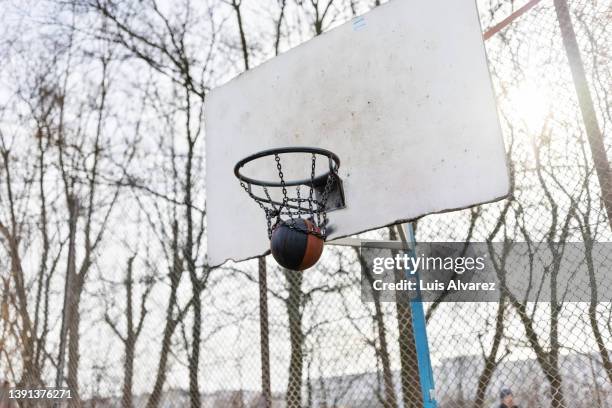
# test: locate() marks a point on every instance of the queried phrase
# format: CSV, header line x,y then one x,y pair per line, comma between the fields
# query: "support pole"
x,y
598,149
419,327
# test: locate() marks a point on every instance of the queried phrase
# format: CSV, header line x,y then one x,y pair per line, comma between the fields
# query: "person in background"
x,y
507,399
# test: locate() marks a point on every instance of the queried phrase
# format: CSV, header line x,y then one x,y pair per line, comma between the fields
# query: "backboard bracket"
x,y
335,198
358,242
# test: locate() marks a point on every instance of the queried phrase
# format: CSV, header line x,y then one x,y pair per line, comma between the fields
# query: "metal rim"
x,y
271,152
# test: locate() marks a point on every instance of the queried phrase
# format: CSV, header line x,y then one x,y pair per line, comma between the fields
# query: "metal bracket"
x,y
357,242
335,197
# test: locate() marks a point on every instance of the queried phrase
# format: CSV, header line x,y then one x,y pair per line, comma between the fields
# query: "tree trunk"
x,y
171,322
390,398
594,302
266,392
67,310
549,364
491,359
296,337
128,363
160,378
409,369
128,374
194,389
196,286
556,381
73,348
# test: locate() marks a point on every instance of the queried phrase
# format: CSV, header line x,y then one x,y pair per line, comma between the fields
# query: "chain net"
x,y
148,324
288,206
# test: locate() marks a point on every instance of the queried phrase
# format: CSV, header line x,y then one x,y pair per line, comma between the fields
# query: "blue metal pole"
x,y
419,328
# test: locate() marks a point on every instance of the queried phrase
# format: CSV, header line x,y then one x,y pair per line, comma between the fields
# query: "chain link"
x,y
269,213
331,179
312,176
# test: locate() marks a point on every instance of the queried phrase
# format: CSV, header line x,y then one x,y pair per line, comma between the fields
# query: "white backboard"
x,y
401,94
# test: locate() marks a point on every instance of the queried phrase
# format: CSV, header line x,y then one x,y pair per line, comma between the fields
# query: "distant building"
x,y
584,381
179,398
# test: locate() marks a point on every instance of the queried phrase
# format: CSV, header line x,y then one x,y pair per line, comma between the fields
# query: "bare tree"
x,y
46,100
379,343
133,329
166,49
546,350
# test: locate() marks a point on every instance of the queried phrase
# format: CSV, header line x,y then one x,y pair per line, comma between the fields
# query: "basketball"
x,y
297,246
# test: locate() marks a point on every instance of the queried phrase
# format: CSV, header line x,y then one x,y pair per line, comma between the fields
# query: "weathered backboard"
x,y
402,95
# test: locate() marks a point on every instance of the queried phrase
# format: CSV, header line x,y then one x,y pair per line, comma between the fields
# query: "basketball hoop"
x,y
322,193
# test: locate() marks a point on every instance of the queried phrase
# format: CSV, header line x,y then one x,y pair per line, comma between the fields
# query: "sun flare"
x,y
531,105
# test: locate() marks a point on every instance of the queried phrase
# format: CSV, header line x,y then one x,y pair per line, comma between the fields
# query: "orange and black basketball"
x,y
298,246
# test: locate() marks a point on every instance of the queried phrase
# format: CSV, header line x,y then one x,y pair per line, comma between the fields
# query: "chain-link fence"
x,y
551,354
157,328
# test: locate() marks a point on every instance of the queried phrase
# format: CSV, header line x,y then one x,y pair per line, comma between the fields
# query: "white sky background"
x,y
230,358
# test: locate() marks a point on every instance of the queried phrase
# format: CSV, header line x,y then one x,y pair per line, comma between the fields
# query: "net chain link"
x,y
317,209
